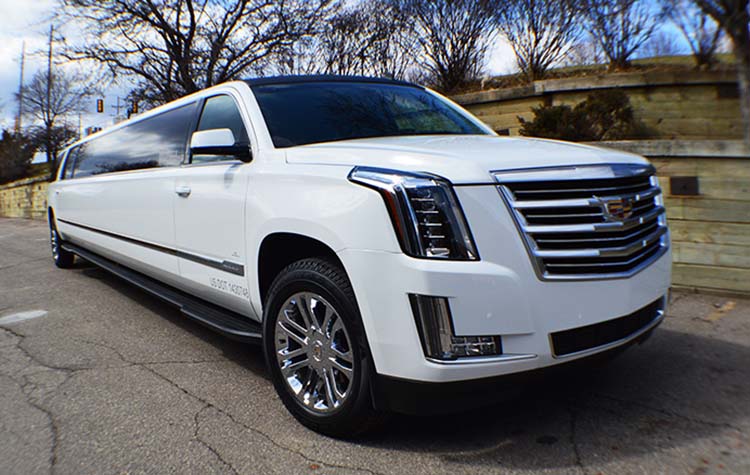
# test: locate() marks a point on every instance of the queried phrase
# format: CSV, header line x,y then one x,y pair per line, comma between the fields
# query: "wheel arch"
x,y
278,250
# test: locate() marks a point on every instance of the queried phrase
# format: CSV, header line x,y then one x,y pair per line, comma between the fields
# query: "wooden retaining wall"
x,y
710,231
689,105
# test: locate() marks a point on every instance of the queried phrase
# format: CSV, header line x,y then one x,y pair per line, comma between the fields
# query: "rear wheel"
x,y
63,259
316,350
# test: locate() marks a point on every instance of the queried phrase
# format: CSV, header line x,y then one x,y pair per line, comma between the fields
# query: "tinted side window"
x,y
221,112
69,163
158,141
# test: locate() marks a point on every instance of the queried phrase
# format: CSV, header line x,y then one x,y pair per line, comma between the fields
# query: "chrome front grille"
x,y
588,222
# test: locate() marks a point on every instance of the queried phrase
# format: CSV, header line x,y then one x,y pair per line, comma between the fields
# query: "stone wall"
x,y
691,105
24,199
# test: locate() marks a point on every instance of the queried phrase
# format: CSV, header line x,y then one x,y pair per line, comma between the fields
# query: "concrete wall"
x,y
24,199
710,230
692,105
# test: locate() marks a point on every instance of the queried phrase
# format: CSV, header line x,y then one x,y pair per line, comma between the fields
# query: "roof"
x,y
263,81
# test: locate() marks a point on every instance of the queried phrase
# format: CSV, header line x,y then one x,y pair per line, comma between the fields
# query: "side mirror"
x,y
219,142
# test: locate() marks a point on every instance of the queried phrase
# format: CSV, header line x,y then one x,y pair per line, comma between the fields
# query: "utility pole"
x,y
19,118
49,69
47,111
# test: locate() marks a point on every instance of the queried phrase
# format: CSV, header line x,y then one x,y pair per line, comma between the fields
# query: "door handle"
x,y
182,191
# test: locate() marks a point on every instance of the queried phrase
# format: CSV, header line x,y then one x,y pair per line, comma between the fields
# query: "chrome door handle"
x,y
182,191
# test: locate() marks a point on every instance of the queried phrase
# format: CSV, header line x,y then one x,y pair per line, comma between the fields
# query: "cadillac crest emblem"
x,y
616,209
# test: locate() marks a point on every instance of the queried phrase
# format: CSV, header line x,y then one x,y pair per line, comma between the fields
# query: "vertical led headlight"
x,y
428,221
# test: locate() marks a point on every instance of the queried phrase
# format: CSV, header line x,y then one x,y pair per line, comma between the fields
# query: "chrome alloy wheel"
x,y
314,352
55,243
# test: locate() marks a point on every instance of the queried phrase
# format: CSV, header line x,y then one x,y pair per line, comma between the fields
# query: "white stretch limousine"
x,y
389,251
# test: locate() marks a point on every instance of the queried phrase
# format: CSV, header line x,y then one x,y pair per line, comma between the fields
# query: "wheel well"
x,y
50,216
281,249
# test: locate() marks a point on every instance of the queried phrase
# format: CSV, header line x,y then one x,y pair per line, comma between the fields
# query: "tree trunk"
x,y
51,165
51,158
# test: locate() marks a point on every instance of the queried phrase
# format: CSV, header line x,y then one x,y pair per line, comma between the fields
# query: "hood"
x,y
462,159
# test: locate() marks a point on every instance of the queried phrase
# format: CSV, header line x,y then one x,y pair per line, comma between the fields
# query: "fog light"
x,y
435,326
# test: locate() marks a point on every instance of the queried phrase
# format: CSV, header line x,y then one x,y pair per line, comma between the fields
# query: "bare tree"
x,y
620,27
661,43
49,98
540,32
701,32
392,53
454,36
734,18
175,47
370,38
584,52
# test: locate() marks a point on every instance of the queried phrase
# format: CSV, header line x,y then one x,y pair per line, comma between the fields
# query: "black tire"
x,y
63,259
356,414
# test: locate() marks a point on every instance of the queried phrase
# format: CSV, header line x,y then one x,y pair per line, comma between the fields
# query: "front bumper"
x,y
499,295
425,398
486,300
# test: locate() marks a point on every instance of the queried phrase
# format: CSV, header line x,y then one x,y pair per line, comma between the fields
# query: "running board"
x,y
226,322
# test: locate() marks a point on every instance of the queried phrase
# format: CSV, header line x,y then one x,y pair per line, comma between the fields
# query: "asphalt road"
x,y
108,380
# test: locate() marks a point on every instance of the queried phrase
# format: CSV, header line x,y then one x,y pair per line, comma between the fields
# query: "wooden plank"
x,y
709,232
718,188
699,110
703,167
506,106
700,209
711,277
711,254
507,120
714,129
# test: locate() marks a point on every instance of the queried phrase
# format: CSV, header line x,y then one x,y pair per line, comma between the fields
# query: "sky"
x,y
28,21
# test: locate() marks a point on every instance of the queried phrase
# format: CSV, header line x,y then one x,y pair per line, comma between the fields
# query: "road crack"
x,y
207,404
197,437
573,439
28,387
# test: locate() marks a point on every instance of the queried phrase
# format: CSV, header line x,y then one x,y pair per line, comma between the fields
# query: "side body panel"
x,y
107,213
210,234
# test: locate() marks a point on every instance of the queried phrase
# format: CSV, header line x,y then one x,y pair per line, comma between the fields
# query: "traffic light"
x,y
100,105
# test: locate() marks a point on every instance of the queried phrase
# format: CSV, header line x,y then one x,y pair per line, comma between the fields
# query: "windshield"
x,y
306,113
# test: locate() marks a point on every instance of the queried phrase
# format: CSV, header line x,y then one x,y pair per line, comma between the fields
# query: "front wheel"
x,y
63,259
316,350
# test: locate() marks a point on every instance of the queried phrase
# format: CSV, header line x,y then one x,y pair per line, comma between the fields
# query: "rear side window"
x,y
158,141
221,112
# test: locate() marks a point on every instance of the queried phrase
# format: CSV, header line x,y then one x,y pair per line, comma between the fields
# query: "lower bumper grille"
x,y
580,339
